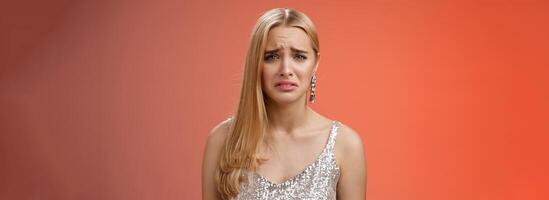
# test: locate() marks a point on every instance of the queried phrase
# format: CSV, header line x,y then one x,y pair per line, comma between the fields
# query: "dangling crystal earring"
x,y
313,85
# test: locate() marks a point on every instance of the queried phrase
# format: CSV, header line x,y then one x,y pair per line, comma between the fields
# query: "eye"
x,y
270,57
300,57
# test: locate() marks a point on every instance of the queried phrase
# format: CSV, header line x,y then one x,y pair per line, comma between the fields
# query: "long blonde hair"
x,y
248,125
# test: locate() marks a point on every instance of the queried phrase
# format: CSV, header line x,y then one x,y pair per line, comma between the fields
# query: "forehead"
x,y
287,37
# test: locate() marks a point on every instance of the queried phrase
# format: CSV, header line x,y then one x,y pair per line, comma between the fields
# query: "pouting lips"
x,y
286,87
285,83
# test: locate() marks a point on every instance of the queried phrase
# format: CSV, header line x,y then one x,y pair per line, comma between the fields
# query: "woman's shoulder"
x,y
351,159
212,154
348,141
221,129
219,132
222,126
347,135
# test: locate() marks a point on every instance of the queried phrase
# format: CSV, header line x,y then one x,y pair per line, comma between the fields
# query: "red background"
x,y
114,99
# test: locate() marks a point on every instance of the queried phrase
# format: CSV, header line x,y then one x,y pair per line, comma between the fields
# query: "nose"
x,y
286,74
286,68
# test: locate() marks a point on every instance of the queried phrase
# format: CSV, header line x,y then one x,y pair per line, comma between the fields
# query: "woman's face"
x,y
289,63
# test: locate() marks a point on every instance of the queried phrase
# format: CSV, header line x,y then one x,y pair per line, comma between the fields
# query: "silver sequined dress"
x,y
317,181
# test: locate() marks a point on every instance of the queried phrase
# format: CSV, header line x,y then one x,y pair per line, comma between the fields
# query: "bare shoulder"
x,y
219,132
349,145
351,158
349,139
212,153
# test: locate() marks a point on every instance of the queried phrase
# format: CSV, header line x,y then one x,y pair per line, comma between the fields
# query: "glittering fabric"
x,y
317,181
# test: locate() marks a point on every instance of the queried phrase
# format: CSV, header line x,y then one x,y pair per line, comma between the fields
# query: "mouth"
x,y
286,86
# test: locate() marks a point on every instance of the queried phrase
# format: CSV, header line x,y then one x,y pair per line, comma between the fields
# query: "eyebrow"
x,y
292,48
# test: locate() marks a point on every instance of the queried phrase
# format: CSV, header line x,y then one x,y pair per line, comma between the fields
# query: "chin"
x,y
285,99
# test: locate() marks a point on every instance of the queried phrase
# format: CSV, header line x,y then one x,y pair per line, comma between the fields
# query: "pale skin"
x,y
297,133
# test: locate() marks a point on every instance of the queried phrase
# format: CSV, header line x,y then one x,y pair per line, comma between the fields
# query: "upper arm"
x,y
212,151
352,164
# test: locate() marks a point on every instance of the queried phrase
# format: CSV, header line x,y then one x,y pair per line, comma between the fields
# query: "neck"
x,y
288,117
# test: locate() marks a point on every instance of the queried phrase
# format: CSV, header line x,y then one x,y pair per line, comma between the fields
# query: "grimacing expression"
x,y
288,56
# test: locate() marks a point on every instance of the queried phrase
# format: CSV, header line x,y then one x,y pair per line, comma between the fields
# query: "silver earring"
x,y
313,86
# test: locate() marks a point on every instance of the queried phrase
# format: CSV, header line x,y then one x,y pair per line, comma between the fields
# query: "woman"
x,y
276,146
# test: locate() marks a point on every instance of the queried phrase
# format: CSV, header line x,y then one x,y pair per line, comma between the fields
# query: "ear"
x,y
316,62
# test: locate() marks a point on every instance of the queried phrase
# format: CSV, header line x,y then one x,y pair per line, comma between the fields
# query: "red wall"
x,y
114,99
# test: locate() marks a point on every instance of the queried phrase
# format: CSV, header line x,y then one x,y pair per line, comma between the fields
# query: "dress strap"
x,y
333,135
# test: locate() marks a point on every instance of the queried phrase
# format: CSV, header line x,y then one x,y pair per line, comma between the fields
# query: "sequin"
x,y
317,181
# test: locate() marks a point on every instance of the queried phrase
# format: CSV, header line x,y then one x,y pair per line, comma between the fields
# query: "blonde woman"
x,y
275,146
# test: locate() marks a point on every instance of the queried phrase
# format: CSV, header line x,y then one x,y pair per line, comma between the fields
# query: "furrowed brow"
x,y
299,50
293,49
271,51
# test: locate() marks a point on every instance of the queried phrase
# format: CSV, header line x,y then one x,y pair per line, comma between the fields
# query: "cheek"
x,y
305,71
306,74
266,74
